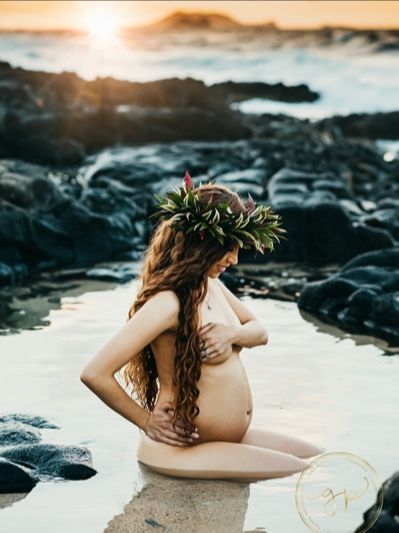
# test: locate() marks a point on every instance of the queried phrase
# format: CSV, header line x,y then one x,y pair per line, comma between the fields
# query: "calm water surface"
x,y
311,381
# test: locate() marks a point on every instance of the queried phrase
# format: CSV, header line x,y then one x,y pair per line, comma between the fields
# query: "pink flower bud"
x,y
250,204
188,181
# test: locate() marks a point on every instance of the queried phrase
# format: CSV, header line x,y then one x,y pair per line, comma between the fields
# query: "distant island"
x,y
181,20
185,21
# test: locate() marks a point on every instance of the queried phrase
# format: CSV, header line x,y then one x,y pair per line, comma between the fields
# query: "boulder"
x,y
15,477
320,228
363,297
55,460
387,521
24,460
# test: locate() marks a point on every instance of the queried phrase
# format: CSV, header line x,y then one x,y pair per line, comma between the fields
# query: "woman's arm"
x,y
251,332
158,314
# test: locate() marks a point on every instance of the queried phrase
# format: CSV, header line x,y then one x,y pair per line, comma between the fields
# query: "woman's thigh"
x,y
265,438
219,460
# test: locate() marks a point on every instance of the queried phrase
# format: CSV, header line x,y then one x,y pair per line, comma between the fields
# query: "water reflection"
x,y
359,340
28,307
165,503
6,500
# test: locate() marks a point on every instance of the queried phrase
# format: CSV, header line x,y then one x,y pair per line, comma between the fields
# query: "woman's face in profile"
x,y
229,258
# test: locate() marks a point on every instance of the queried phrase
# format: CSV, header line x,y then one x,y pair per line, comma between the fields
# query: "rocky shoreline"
x,y
25,460
59,119
78,174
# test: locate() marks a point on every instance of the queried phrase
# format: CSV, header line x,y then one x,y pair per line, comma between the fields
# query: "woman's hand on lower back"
x,y
159,427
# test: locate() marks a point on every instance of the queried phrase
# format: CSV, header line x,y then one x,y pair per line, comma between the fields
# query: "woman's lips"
x,y
220,268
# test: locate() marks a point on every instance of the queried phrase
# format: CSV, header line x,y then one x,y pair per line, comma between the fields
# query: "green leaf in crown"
x,y
258,227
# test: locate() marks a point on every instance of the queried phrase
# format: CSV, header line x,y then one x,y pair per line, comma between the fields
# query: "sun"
x,y
102,23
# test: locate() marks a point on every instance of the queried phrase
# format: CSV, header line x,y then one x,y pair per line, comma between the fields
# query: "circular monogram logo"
x,y
335,490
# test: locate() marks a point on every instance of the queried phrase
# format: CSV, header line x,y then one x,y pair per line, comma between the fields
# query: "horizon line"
x,y
56,29
243,25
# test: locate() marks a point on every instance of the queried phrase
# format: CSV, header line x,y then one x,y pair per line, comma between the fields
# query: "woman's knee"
x,y
258,436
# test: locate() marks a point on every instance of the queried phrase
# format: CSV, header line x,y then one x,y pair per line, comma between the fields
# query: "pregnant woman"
x,y
179,351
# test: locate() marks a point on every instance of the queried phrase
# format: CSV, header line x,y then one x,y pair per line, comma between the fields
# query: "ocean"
x,y
351,74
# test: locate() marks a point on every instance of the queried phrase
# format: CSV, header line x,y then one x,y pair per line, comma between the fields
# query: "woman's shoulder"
x,y
166,303
159,312
167,298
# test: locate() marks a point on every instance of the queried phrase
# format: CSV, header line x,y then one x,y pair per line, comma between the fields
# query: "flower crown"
x,y
258,227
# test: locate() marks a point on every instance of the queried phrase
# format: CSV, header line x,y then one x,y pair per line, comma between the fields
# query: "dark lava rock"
x,y
387,521
119,274
55,460
325,192
52,118
362,297
54,91
235,91
387,258
24,461
48,227
30,420
387,219
17,433
15,477
58,118
321,217
94,237
374,126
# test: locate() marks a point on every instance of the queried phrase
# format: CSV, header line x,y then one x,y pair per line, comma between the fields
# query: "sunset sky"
x,y
286,14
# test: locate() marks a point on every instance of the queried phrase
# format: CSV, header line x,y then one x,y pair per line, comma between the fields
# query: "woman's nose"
x,y
233,258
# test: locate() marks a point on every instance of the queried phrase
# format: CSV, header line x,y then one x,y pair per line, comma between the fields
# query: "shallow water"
x,y
311,381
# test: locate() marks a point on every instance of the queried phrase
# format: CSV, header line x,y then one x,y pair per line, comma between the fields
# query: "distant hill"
x,y
181,20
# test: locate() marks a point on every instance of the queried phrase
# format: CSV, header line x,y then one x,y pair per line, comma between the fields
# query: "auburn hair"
x,y
178,261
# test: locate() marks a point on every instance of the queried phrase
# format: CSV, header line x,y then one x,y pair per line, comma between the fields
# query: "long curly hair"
x,y
178,261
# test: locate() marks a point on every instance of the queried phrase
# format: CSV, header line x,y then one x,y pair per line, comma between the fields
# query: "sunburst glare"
x,y
102,22
103,40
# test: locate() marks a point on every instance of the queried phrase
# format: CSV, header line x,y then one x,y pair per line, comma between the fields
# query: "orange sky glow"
x,y
286,14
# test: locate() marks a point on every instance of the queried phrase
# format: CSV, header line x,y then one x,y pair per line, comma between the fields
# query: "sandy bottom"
x,y
166,504
8,499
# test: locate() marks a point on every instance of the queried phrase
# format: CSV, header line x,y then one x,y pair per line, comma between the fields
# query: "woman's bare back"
x,y
228,448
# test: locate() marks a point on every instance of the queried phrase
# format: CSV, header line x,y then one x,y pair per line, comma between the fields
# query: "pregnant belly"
x,y
225,401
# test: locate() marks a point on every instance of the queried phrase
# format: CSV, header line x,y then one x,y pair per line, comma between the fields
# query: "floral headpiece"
x,y
258,227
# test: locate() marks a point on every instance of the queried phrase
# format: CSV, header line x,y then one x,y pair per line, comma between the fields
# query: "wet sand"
x,y
168,503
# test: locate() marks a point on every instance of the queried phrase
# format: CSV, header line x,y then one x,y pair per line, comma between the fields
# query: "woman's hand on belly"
x,y
159,427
